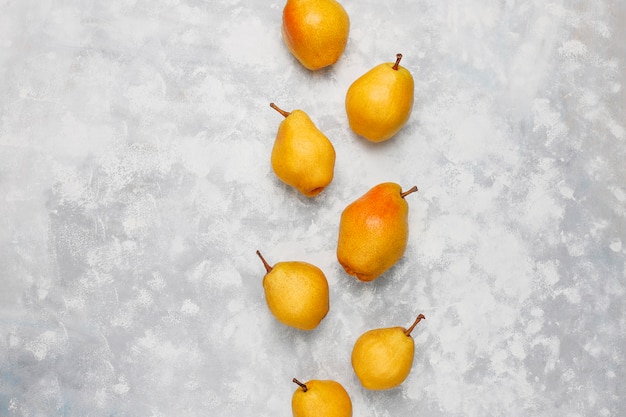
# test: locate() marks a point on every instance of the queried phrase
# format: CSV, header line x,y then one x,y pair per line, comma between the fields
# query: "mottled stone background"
x,y
135,188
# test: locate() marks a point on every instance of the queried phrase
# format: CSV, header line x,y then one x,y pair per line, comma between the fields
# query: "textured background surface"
x,y
135,188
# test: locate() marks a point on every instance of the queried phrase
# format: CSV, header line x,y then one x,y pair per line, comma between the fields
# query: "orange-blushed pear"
x,y
373,231
315,31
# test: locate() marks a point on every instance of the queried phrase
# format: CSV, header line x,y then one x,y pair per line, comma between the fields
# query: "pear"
x,y
382,358
320,398
315,31
302,156
379,102
373,231
296,293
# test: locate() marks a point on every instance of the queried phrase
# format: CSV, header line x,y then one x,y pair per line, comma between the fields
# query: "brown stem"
x,y
409,191
303,386
417,320
279,110
397,64
267,266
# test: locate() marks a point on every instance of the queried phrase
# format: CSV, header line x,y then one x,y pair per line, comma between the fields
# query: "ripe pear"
x,y
379,102
315,31
373,231
382,358
320,398
296,293
302,155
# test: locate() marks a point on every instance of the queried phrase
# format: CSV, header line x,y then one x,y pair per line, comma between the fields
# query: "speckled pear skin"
x,y
373,232
302,156
382,358
296,293
325,398
380,102
315,31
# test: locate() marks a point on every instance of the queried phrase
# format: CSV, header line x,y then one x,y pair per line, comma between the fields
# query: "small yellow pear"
x,y
296,293
380,102
302,155
373,231
382,358
315,31
320,398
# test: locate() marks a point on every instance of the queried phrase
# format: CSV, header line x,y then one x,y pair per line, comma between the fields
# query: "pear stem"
x,y
409,191
417,320
279,110
303,386
267,266
397,64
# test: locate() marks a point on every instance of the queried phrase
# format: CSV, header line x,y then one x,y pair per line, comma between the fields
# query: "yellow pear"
x,y
382,358
379,102
320,398
315,31
296,293
373,231
302,155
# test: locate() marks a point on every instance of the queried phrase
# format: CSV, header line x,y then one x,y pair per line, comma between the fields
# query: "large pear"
x,y
382,358
379,103
320,398
315,31
296,293
302,156
373,231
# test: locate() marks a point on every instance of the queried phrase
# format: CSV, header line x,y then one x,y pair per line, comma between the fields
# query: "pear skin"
x,y
382,358
315,31
320,398
302,156
379,103
373,231
296,293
